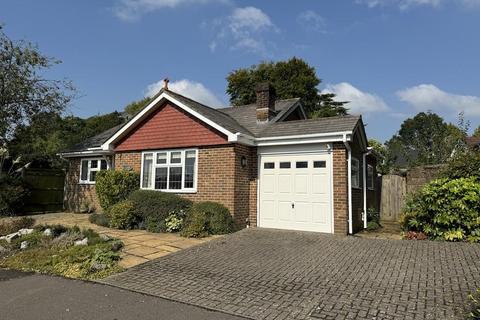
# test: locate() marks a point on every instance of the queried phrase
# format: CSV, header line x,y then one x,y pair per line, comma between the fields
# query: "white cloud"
x,y
243,29
131,10
428,97
188,88
312,21
359,101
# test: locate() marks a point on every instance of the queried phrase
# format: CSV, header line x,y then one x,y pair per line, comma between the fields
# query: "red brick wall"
x,y
220,178
340,186
77,194
170,127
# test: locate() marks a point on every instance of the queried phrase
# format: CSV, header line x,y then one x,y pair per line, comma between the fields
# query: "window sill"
x,y
172,191
86,183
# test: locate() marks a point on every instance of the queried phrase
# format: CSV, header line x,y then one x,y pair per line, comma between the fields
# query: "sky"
x,y
390,58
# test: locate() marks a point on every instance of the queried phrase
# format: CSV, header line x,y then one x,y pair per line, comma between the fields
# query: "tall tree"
x,y
24,89
424,139
383,165
476,132
293,78
134,107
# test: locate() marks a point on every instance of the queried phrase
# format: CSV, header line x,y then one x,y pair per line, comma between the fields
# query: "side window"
x,y
89,169
370,178
355,173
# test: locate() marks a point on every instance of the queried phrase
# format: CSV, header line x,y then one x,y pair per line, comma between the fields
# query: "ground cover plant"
x,y
63,251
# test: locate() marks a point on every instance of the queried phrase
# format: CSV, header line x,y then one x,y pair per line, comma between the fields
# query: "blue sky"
x,y
390,58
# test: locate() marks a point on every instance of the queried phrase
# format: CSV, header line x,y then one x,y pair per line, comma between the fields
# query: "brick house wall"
x,y
340,185
220,178
77,194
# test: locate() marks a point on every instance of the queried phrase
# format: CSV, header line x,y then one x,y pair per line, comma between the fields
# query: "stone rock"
x,y
98,266
2,249
47,232
23,232
104,237
24,245
83,242
116,245
11,237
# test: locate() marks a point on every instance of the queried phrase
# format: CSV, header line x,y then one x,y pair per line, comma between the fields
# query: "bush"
x,y
174,221
195,225
113,186
15,224
207,218
372,225
463,165
445,209
13,192
475,298
123,215
99,219
155,206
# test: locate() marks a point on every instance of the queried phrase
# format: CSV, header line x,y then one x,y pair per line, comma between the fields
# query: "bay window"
x,y
89,169
173,171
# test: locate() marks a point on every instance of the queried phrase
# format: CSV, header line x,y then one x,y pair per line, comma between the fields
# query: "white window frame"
x,y
371,177
355,174
89,169
168,165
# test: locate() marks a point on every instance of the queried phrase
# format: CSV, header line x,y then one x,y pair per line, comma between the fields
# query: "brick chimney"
x,y
265,101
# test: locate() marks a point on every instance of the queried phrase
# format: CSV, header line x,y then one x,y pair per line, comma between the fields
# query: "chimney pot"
x,y
165,83
265,101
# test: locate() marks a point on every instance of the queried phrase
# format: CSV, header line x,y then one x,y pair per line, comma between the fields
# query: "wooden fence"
x,y
46,190
393,191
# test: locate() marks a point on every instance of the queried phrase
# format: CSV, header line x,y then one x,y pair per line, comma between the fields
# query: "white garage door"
x,y
295,192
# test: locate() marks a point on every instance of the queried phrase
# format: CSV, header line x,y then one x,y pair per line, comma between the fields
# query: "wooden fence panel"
x,y
46,190
393,191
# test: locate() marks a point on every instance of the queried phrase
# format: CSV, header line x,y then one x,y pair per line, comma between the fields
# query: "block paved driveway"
x,y
272,274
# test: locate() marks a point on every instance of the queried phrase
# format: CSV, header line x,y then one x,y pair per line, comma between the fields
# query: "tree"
x,y
24,90
476,133
422,140
383,166
293,78
134,107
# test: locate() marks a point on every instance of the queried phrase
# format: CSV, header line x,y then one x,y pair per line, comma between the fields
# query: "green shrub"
x,y
445,209
113,186
155,206
13,192
123,215
475,298
174,221
372,225
99,219
207,218
463,164
14,224
195,225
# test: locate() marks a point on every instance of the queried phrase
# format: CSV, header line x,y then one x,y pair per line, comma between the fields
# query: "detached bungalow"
x,y
266,162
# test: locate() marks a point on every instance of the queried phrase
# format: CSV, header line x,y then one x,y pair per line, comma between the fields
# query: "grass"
x,y
58,255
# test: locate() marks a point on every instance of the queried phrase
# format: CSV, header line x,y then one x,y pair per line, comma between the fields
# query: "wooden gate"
x,y
46,190
393,191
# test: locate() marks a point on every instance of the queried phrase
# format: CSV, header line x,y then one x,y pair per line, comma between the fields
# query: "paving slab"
x,y
273,274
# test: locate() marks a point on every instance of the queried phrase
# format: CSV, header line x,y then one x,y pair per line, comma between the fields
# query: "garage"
x,y
295,191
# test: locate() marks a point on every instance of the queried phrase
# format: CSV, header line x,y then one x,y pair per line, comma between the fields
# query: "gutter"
x,y
349,174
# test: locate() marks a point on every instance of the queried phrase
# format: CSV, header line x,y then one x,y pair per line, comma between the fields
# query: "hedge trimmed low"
x,y
206,218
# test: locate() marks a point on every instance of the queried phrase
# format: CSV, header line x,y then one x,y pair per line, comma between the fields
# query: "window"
x,y
370,178
319,164
301,164
285,165
89,169
269,165
171,171
355,173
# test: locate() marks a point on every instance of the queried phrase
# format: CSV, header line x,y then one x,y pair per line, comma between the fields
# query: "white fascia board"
x,y
164,96
312,135
95,152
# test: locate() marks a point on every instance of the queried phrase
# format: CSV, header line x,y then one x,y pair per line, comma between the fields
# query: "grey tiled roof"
x,y
310,126
95,141
247,115
243,119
